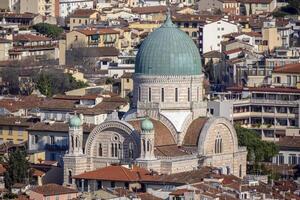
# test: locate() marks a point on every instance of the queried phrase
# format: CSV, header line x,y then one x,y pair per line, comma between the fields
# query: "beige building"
x,y
167,125
83,17
5,46
258,6
230,7
103,37
270,37
287,75
10,5
126,84
42,7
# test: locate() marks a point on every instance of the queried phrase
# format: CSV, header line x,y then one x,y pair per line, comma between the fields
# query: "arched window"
x,y
130,152
194,34
162,94
144,146
100,149
72,142
189,94
148,145
176,94
139,94
240,171
76,142
116,150
149,95
112,150
218,144
70,177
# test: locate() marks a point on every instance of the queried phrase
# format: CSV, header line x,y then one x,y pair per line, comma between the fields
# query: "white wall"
x,y
68,6
213,34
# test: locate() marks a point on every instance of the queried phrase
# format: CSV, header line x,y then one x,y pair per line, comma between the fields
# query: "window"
x,y
99,185
280,159
1,130
148,145
240,171
289,80
218,144
20,132
74,20
100,149
194,25
130,151
10,130
197,93
292,159
79,20
112,184
176,94
189,95
52,140
194,34
186,25
127,80
70,177
149,95
139,94
35,139
162,95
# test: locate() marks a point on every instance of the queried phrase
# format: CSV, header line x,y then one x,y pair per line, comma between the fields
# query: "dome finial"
x,y
168,21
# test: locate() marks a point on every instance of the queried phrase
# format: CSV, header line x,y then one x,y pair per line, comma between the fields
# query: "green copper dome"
x,y
168,51
75,122
147,125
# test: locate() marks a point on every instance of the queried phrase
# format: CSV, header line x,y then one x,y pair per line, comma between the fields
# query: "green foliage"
x,y
293,8
258,150
51,82
18,168
10,76
50,30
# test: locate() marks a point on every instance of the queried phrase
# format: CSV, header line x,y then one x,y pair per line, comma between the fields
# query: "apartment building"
x,y
43,7
10,5
66,7
287,75
268,110
230,7
249,7
93,37
83,17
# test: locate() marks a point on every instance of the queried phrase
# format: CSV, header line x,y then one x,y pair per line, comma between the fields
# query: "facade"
x,y
42,7
126,84
167,126
104,37
10,5
269,111
213,33
5,46
250,7
287,75
230,7
66,7
83,17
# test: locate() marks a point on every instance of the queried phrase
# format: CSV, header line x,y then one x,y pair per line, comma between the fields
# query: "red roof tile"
x,y
53,189
117,173
193,133
289,68
29,38
83,13
101,31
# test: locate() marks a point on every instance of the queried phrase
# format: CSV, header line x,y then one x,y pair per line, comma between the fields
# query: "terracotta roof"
x,y
191,177
117,173
75,97
180,192
233,51
29,38
149,9
58,104
82,13
36,172
16,15
16,121
169,151
53,189
212,54
23,102
147,196
163,135
289,142
58,127
101,31
193,132
2,40
289,68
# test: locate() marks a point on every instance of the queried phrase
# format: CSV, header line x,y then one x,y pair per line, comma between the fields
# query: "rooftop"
x,y
53,189
287,69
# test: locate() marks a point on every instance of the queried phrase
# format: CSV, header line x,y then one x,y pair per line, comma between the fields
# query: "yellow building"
x,y
79,76
5,46
103,37
84,17
125,38
14,129
271,38
126,84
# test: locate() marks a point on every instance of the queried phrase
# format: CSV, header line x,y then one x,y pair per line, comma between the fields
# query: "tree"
x,y
18,168
10,78
50,30
258,150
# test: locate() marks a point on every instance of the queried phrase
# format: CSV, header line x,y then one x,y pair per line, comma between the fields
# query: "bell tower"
x,y
75,135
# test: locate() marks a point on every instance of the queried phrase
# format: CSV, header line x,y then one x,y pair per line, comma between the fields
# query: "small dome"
x,y
75,122
147,125
168,51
